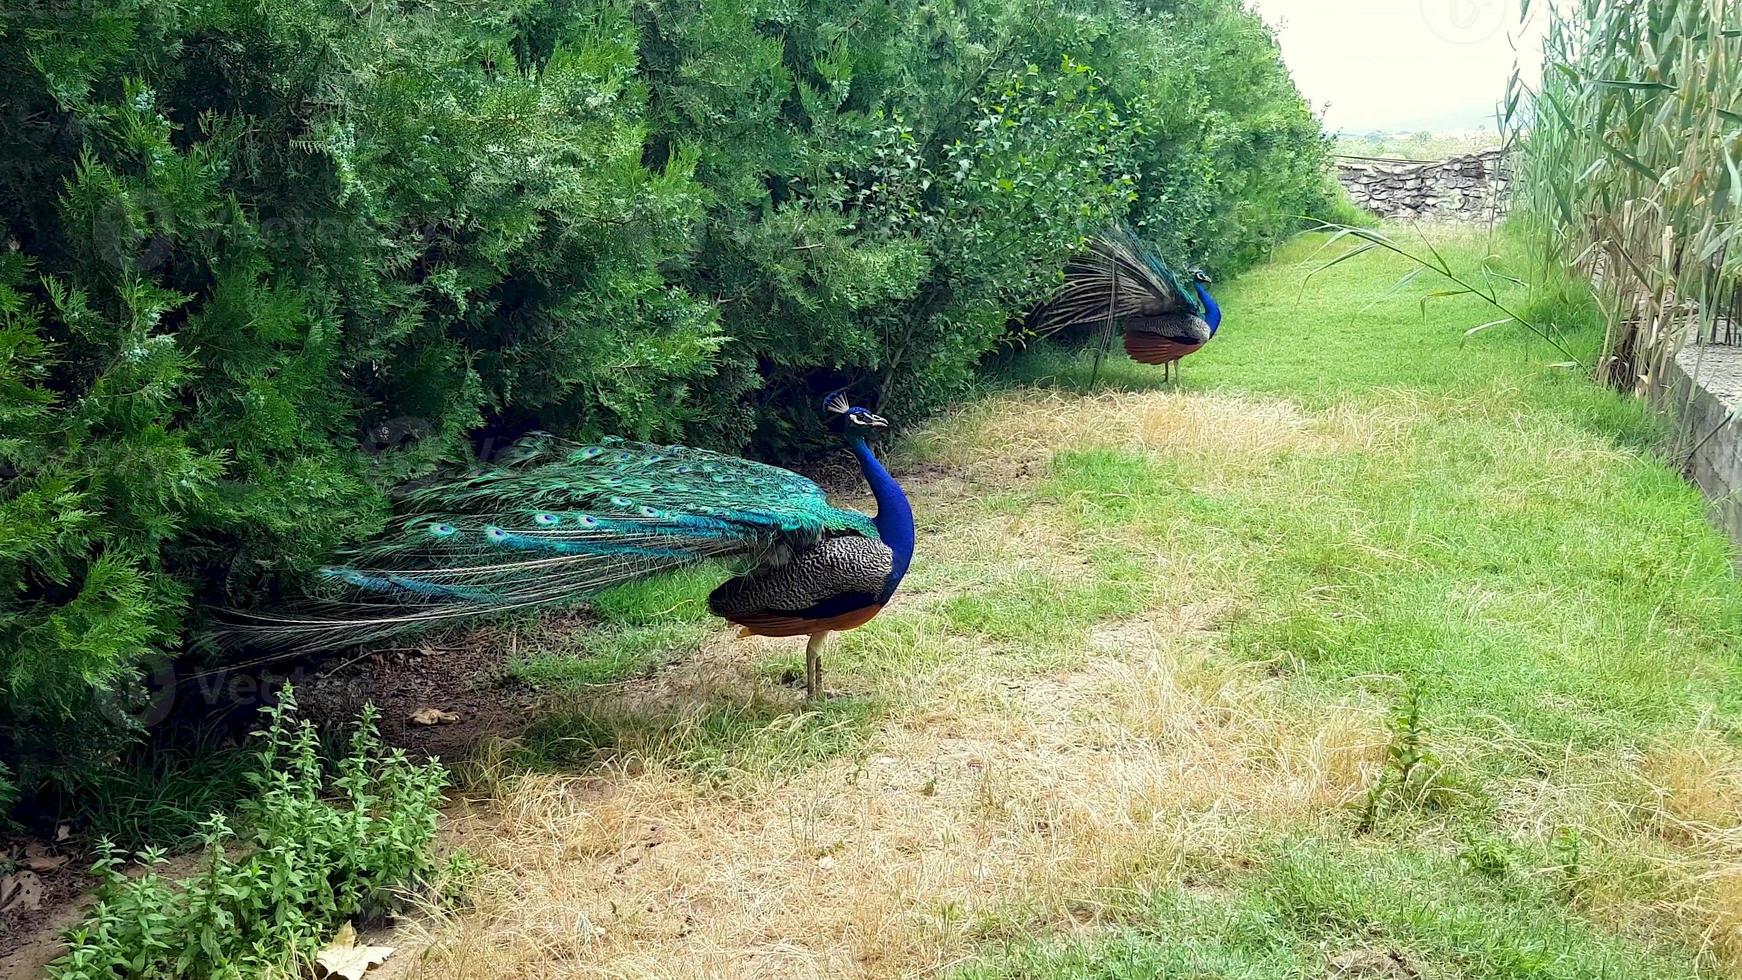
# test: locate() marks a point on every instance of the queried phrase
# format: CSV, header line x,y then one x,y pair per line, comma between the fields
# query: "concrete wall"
x,y
1466,187
1705,390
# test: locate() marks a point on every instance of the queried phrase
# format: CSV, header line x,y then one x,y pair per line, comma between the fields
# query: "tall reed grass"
x,y
1626,172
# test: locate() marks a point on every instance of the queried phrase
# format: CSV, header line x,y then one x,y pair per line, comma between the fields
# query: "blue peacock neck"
x,y
894,518
1212,312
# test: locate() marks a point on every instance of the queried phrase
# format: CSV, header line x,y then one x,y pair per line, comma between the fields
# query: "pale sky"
x,y
1403,64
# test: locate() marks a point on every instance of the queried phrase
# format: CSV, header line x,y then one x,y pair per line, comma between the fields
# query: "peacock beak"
x,y
875,421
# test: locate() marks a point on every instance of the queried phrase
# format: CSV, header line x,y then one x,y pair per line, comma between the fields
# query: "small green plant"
x,y
1405,756
317,848
454,879
1489,856
1570,867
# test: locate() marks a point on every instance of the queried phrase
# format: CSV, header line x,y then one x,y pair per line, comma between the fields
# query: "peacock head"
x,y
1199,275
850,418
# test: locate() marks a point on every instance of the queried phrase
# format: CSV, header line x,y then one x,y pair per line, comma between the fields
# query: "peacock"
x,y
553,522
1120,279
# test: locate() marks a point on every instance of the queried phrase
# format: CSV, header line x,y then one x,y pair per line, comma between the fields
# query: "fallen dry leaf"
x,y
20,892
344,958
38,858
433,716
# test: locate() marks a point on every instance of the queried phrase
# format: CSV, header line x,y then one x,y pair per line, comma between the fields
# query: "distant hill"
x,y
1421,145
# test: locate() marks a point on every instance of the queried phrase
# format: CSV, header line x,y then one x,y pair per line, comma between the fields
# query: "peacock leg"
x,y
813,665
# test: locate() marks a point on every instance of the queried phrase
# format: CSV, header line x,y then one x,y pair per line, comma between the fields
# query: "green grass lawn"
x,y
1509,542
1366,650
1515,543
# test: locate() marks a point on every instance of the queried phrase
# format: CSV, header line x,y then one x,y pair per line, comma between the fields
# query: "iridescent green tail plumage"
x,y
553,523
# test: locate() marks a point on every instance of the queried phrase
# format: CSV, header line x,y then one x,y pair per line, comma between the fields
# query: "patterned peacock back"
x,y
553,522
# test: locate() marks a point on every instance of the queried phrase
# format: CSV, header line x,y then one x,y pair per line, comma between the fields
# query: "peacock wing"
x,y
1182,328
838,571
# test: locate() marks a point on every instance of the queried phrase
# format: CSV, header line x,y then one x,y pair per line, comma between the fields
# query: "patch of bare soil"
x,y
42,894
437,699
30,942
1373,964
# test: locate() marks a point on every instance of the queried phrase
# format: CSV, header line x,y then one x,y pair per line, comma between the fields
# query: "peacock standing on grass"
x,y
554,522
1119,279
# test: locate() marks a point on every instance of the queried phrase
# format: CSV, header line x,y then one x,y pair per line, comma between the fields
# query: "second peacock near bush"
x,y
1118,280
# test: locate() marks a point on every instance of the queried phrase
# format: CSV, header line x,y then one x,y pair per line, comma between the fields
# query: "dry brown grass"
x,y
1694,787
1662,829
1012,435
988,803
990,810
1000,797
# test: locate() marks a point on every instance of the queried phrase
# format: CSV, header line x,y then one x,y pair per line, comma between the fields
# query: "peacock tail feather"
x,y
1118,277
551,523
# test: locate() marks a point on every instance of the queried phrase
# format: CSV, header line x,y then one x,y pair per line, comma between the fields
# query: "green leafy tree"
x,y
263,262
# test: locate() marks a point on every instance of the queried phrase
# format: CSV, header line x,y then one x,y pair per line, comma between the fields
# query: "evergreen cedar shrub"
x,y
263,261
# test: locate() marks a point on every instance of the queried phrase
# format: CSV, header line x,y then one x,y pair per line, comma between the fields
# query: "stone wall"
x,y
1705,392
1466,187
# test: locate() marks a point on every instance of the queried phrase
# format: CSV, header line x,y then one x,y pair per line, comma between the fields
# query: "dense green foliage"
x,y
264,260
318,849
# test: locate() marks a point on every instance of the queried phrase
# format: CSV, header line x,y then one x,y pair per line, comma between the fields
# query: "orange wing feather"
x,y
1150,348
774,624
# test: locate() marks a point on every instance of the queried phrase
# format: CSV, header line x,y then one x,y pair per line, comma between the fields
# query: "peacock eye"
x,y
441,530
589,520
544,520
649,512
